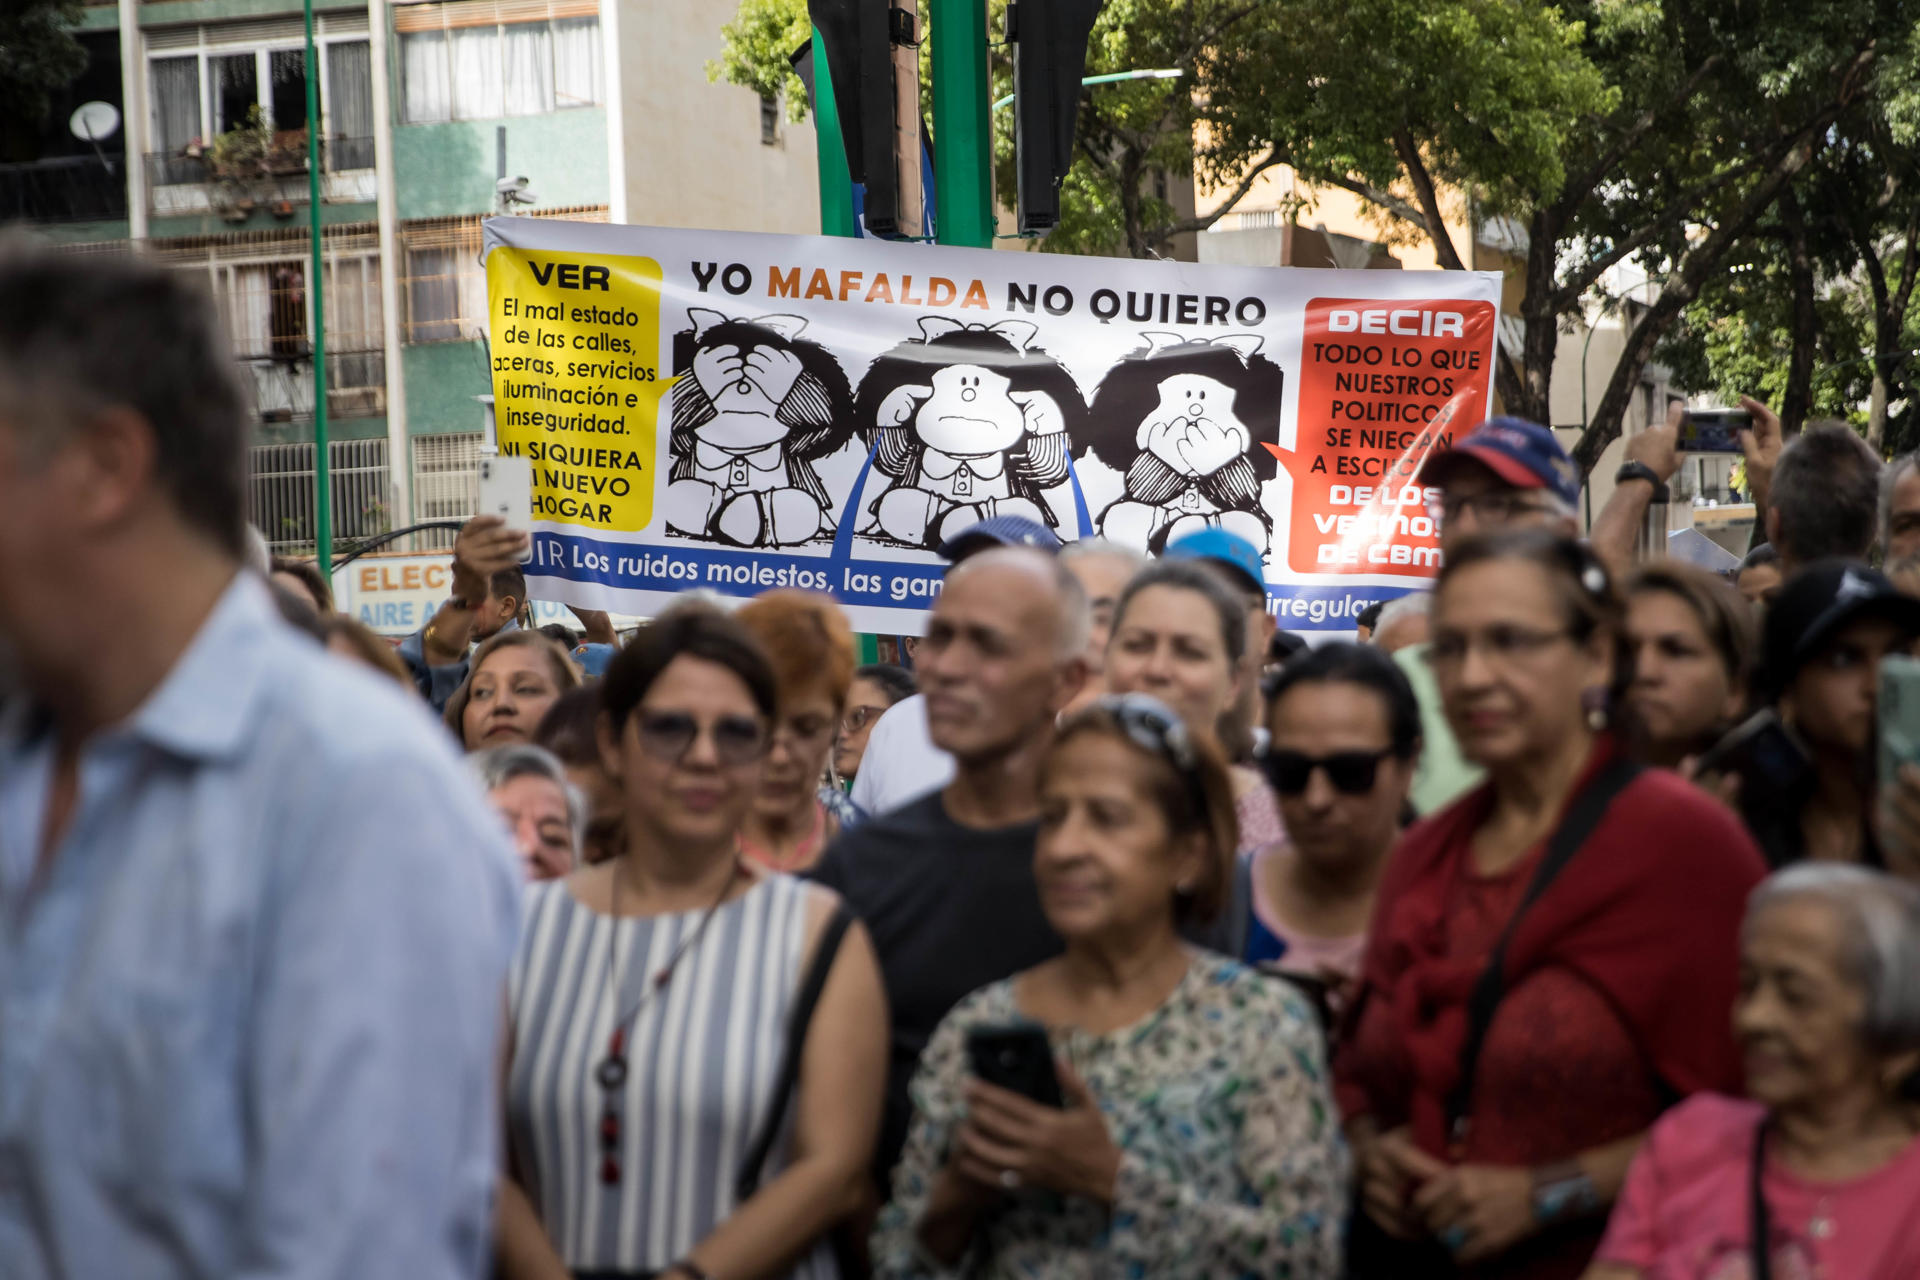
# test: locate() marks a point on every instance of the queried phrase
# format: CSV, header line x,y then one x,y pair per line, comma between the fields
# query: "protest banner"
x,y
739,412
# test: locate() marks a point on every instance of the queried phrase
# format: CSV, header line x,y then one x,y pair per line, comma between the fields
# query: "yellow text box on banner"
x,y
576,380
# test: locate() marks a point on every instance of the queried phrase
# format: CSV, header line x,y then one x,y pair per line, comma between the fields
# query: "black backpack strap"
x,y
804,1002
1582,816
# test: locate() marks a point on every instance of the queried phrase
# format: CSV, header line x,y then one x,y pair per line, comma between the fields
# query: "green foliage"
x,y
38,55
759,40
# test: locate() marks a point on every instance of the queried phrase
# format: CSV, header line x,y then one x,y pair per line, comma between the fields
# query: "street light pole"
x,y
316,290
962,136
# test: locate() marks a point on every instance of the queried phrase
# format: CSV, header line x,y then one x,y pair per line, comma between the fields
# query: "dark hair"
x,y
1366,667
1369,617
689,632
1826,488
1759,557
1230,609
310,577
1585,588
894,681
297,612
568,727
565,674
506,582
368,646
1193,800
561,634
1722,612
82,333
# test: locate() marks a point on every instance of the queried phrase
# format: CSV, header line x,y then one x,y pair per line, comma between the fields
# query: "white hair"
x,y
497,766
1088,548
1879,917
1415,604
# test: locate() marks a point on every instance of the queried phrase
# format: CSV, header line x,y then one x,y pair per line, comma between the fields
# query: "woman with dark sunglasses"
x,y
1345,740
668,1111
1551,957
1197,1137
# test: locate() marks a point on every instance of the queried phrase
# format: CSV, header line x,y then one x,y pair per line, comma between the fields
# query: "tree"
x,y
38,56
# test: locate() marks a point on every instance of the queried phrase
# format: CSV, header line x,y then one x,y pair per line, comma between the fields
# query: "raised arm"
x,y
1616,530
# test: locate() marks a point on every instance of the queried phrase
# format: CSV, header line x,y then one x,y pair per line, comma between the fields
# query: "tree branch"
x,y
1373,195
1423,190
1576,189
1240,189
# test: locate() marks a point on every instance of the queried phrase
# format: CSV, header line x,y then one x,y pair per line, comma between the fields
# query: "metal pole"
x,y
316,289
962,134
836,180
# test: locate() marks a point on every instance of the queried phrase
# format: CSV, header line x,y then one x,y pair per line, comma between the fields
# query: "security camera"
x,y
514,191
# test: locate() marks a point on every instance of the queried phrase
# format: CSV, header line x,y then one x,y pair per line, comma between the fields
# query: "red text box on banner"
x,y
1382,385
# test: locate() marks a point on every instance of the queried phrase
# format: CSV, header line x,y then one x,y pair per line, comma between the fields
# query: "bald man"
x,y
945,883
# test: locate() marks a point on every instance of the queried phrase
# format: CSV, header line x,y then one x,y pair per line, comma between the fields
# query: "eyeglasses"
x,y
858,718
1152,725
669,735
1496,508
1352,773
1503,643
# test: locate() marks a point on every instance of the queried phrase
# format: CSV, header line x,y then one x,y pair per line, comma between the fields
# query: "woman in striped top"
x,y
651,1002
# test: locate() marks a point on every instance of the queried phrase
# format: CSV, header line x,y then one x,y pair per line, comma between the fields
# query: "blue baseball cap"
x,y
1230,549
592,659
1524,454
999,531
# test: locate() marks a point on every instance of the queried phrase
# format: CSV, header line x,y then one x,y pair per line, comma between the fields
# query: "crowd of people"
x,y
1558,923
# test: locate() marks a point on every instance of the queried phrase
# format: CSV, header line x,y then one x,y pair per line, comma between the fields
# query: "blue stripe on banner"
x,y
627,567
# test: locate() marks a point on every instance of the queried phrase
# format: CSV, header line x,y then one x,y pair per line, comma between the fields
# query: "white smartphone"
x,y
1899,714
506,490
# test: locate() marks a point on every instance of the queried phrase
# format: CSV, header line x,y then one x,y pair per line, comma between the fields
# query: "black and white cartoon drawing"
x,y
971,421
1182,420
754,408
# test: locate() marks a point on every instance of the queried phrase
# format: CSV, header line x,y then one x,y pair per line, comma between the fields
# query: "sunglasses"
x,y
1152,726
669,735
1351,772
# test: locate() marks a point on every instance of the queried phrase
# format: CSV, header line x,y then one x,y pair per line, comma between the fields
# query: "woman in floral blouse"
x,y
1199,1137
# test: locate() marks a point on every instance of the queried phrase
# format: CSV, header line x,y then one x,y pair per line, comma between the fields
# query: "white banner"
x,y
739,412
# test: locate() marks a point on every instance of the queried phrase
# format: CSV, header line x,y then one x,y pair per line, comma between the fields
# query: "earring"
x,y
1595,702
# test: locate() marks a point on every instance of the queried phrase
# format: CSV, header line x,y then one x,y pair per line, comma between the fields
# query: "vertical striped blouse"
x,y
703,1054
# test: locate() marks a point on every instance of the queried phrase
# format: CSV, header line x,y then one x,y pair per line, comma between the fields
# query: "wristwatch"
x,y
1636,471
1564,1191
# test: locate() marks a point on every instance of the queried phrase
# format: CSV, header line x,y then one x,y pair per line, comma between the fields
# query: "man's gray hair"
x,y
1074,620
1415,604
80,334
497,766
1088,548
1826,488
1879,919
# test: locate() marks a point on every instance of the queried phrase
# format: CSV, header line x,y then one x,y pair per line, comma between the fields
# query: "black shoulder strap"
x,y
1583,815
804,1001
1760,1221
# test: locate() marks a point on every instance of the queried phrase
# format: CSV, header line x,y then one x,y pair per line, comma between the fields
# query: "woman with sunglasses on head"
x,y
1345,739
1179,634
1551,957
1191,1134
797,814
668,1110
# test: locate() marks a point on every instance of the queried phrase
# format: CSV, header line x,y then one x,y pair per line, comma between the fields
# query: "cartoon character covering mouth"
x,y
755,406
1183,420
970,422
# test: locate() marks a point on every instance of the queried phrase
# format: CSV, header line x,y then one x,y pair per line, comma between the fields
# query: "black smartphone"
x,y
1713,430
1762,750
1016,1056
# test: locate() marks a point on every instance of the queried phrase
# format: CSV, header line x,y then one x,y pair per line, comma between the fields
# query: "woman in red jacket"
x,y
1551,958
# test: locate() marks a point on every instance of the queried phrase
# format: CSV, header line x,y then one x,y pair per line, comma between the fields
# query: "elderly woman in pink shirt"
x,y
1818,1175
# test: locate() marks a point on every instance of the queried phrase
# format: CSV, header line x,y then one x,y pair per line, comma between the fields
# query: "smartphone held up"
x,y
506,490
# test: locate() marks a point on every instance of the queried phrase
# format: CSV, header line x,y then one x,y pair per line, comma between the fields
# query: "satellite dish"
x,y
94,121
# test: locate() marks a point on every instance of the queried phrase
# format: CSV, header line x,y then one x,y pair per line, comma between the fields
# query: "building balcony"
x,y
283,384
64,189
185,183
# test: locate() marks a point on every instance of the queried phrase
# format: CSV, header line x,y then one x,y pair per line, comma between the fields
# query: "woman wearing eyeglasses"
x,y
1345,739
669,1111
797,814
1195,1135
1551,957
1179,633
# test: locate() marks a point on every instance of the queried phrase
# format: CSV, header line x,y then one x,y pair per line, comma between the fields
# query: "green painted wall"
x,y
442,379
442,170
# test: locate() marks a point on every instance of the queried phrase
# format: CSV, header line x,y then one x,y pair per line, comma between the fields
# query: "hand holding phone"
x,y
1017,1057
506,490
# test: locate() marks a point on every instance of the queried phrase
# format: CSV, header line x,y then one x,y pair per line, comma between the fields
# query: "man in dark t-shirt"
x,y
945,884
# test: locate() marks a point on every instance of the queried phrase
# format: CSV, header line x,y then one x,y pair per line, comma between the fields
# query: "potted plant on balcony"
x,y
240,154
